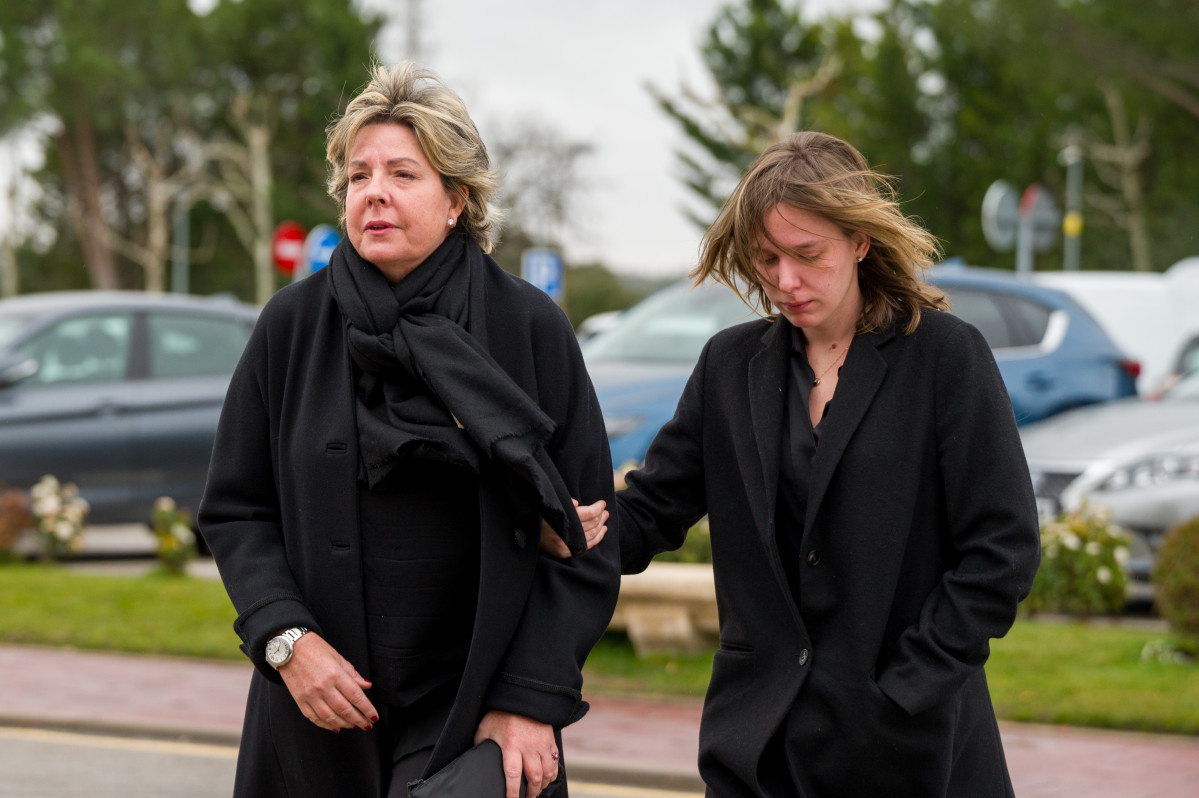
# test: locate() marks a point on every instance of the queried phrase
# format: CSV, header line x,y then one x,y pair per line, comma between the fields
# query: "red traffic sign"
x,y
287,246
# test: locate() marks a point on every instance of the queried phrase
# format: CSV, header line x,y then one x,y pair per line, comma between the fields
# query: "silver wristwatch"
x,y
278,648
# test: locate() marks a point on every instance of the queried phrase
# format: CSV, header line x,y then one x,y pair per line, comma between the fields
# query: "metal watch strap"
x,y
294,633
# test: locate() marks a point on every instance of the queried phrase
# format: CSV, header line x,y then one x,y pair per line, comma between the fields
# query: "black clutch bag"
x,y
479,773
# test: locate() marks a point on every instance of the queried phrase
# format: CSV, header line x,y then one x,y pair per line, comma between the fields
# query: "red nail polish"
x,y
374,718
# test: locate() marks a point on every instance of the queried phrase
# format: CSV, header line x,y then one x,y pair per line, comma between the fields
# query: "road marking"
x,y
207,750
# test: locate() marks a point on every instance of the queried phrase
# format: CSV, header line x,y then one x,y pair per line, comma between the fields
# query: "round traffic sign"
x,y
319,246
1001,215
287,246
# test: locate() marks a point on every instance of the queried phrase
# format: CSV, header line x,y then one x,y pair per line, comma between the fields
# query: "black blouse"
x,y
800,440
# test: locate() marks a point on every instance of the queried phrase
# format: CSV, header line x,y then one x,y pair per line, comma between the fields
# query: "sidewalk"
x,y
622,740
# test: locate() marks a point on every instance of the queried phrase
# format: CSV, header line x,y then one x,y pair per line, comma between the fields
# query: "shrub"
x,y
15,518
59,514
175,541
697,548
1176,580
1082,565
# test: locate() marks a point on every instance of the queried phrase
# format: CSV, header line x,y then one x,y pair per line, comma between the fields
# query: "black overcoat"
x,y
919,540
280,513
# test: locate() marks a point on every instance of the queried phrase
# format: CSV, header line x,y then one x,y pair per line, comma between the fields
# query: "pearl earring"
x,y
451,222
860,259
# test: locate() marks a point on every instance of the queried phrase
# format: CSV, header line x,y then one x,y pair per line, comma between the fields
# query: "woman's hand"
x,y
326,687
591,516
528,747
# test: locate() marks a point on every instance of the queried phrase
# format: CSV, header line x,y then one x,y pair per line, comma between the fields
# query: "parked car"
x,y
118,392
1138,458
1053,356
1150,315
640,364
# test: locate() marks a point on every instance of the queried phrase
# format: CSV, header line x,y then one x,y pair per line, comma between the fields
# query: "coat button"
x,y
813,557
803,657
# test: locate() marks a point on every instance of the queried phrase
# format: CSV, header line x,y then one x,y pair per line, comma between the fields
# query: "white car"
x,y
1150,315
1139,458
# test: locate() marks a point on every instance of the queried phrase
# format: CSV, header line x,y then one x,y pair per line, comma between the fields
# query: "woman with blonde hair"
x,y
872,520
400,427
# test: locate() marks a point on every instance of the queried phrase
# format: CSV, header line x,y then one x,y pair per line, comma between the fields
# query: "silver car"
x,y
1138,458
118,392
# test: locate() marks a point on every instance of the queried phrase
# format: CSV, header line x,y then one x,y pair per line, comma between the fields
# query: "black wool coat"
x,y
919,540
280,513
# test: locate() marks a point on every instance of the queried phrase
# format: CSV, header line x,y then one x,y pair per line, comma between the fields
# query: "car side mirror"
x,y
15,367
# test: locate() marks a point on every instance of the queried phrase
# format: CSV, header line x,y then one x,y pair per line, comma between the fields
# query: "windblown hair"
x,y
406,94
824,175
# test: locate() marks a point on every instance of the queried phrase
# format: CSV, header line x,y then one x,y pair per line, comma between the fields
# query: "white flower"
x,y
64,530
1103,574
45,486
74,513
1071,541
183,533
164,504
1122,555
47,505
1093,548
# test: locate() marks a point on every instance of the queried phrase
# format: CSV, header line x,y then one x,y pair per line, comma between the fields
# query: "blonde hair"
x,y
824,175
406,94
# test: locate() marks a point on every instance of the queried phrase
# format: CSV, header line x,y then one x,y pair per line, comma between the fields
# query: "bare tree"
x,y
161,178
1119,164
241,188
542,179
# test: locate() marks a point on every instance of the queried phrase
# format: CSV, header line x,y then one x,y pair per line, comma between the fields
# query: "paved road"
x,y
52,764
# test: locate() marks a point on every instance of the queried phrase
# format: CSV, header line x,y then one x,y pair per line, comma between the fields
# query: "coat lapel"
x,y
767,393
862,375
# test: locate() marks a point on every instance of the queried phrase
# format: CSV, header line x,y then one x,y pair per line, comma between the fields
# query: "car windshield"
x,y
10,325
670,326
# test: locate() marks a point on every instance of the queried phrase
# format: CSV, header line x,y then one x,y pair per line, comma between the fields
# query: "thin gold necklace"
x,y
841,357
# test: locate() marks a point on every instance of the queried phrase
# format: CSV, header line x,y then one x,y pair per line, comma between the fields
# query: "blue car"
x,y
1052,354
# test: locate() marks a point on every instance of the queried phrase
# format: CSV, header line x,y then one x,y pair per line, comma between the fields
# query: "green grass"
x,y
1091,674
1081,674
159,614
612,667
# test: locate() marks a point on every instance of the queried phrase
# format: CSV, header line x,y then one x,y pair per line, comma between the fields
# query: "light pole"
x,y
1071,157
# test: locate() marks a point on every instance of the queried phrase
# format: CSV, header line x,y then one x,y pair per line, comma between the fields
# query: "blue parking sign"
x,y
543,268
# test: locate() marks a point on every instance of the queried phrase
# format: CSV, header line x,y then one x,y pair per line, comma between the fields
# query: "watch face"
x,y
277,650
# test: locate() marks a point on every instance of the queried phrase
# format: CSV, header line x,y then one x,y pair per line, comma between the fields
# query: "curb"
x,y
179,733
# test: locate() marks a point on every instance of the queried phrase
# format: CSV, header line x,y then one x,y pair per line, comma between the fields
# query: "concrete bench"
x,y
670,608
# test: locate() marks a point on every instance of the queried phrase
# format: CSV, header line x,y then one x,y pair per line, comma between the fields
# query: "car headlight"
x,y
1152,471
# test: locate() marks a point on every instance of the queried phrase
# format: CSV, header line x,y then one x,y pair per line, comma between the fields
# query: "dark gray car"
x,y
118,392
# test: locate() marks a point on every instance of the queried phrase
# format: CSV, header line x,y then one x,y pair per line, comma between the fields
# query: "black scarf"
x,y
472,412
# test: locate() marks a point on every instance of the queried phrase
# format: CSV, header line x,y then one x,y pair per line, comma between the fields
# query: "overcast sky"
x,y
582,69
